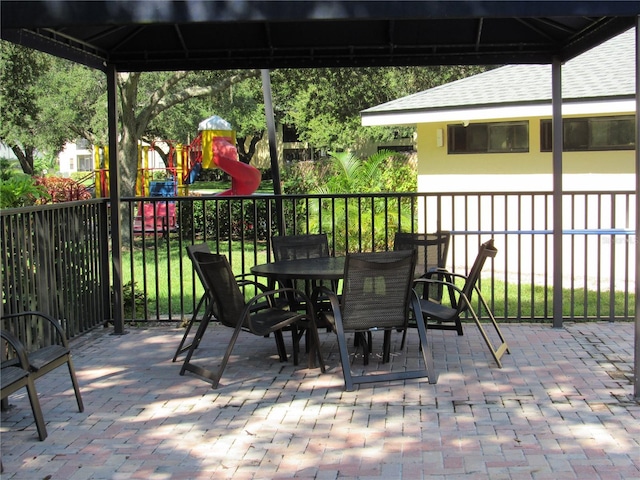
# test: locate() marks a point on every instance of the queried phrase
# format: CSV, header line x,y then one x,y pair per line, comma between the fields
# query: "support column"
x,y
273,151
636,367
114,201
556,103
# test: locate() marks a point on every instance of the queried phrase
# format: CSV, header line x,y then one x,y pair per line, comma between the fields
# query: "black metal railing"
x,y
599,263
57,257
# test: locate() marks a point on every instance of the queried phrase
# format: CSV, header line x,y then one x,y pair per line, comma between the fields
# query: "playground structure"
x,y
213,147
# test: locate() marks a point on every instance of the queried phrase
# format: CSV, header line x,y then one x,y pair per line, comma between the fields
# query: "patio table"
x,y
320,268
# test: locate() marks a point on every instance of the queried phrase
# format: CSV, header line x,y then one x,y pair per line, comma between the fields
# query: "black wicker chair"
x,y
15,374
254,316
48,348
460,301
377,295
432,250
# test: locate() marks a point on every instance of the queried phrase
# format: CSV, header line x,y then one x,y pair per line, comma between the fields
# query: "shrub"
x,y
61,189
20,190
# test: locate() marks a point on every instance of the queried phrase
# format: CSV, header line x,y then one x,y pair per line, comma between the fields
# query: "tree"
x,y
325,104
383,171
20,71
144,97
241,104
46,102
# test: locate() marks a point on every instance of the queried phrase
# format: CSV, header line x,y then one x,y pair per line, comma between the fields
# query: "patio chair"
x,y
377,295
205,300
231,310
460,301
295,247
15,374
49,350
432,250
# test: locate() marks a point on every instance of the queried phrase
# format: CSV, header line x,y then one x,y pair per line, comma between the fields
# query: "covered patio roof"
x,y
124,35
197,34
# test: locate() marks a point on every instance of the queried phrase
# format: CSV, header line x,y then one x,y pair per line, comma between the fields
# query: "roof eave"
x,y
597,106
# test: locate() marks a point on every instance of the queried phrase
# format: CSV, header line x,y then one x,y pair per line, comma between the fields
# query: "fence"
x,y
56,258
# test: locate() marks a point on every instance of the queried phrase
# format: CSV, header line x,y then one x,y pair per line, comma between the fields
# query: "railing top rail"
x,y
51,206
213,196
572,231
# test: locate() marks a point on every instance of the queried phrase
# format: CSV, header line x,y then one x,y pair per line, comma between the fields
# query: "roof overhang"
x,y
499,112
198,34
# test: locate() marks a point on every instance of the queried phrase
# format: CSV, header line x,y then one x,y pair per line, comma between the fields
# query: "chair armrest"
x,y
334,301
442,273
18,348
269,295
47,318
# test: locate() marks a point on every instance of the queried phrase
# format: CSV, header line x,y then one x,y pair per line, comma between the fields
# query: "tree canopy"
x,y
48,101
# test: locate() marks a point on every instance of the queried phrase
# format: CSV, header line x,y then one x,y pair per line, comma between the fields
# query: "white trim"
x,y
599,107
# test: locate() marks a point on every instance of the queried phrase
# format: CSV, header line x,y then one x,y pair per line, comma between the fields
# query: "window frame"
x,y
546,134
484,139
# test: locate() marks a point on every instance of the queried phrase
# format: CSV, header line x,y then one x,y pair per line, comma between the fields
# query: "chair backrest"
x,y
376,289
294,247
432,248
191,251
487,250
220,281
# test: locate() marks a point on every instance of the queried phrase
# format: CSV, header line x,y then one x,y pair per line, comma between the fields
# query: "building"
x,y
492,131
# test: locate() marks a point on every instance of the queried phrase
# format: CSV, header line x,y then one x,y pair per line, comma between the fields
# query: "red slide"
x,y
245,179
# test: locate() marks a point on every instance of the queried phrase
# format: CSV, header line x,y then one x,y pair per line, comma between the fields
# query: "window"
x,y
591,133
85,163
289,133
503,137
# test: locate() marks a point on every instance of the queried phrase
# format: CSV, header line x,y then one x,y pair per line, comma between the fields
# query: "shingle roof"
x,y
605,71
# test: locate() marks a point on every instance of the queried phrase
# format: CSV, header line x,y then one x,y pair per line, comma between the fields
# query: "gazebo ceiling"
x,y
200,34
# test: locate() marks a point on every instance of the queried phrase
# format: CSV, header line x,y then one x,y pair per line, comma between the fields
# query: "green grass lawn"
x,y
160,271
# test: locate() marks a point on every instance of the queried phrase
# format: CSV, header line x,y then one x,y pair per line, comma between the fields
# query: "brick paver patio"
x,y
561,408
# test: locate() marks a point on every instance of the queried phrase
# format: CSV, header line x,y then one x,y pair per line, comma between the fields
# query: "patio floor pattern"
x,y
560,408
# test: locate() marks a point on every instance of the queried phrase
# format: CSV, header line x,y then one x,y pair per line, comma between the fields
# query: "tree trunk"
x,y
25,157
246,154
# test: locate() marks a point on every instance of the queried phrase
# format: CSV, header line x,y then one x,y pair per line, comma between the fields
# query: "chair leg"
x,y
386,349
359,340
282,350
503,347
196,340
76,386
182,347
35,408
427,356
344,357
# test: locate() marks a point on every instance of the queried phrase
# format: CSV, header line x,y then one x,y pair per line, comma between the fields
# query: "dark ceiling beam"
x,y
479,33
45,41
181,40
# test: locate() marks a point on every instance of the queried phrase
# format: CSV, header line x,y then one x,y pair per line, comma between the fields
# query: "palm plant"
x,y
356,218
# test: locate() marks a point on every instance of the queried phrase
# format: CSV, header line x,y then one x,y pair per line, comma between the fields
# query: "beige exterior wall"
x,y
532,171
